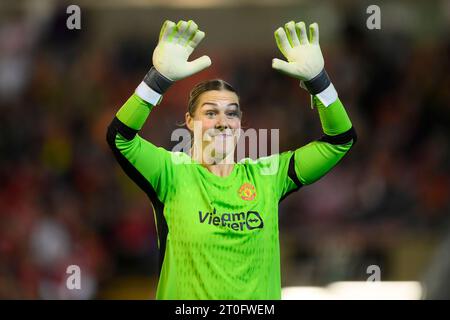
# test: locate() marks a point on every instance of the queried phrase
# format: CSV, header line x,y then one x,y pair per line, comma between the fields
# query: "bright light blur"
x,y
357,290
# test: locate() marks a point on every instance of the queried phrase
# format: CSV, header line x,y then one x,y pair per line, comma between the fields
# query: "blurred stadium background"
x,y
64,200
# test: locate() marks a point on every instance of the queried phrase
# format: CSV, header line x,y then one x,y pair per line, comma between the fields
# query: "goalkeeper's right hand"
x,y
176,43
170,59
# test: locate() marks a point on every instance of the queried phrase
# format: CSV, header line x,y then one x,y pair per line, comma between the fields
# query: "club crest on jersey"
x,y
247,192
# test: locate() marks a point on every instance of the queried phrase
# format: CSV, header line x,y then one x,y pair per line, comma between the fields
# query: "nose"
x,y
221,123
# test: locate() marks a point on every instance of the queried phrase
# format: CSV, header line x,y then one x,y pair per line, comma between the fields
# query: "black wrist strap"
x,y
318,83
156,81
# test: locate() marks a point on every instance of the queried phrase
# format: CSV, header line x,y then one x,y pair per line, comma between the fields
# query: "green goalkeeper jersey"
x,y
218,236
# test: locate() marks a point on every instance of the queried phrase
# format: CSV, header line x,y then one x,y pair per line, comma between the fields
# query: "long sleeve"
x,y
315,159
147,165
134,112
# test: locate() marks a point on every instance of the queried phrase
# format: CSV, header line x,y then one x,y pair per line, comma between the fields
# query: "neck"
x,y
221,170
221,167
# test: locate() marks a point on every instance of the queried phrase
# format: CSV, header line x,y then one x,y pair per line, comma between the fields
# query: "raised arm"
x,y
306,63
141,160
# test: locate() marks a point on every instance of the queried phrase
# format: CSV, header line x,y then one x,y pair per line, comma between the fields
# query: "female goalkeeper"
x,y
217,221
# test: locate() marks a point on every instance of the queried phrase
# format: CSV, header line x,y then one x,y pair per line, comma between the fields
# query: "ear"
x,y
189,121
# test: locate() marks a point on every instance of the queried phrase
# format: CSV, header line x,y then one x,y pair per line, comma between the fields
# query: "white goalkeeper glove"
x,y
170,59
305,59
176,43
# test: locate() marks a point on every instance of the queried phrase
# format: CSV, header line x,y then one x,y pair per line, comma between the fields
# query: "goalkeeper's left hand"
x,y
305,59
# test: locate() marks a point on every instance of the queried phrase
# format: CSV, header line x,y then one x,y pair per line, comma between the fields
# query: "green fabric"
x,y
334,118
223,240
317,158
134,112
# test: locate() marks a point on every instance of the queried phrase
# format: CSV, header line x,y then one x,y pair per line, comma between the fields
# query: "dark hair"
x,y
207,85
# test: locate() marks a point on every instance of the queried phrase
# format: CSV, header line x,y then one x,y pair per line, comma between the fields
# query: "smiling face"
x,y
216,122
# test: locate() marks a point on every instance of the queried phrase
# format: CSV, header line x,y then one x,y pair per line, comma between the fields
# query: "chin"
x,y
221,154
223,149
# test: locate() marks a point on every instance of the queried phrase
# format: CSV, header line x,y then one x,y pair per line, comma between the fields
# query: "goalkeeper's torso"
x,y
222,235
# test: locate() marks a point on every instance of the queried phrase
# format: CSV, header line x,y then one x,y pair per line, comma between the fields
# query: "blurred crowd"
x,y
65,201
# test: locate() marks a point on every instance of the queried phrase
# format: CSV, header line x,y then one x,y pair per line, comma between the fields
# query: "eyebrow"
x,y
216,105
